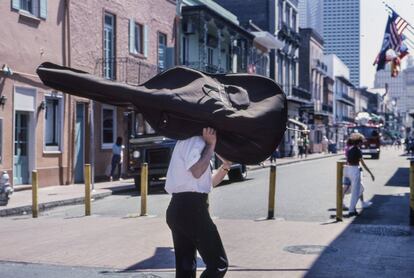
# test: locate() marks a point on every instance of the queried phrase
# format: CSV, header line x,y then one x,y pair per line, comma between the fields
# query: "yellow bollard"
x,y
412,193
144,188
87,189
35,186
272,191
339,190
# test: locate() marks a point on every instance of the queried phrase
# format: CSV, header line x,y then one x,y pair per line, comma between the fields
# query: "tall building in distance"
x,y
311,15
341,33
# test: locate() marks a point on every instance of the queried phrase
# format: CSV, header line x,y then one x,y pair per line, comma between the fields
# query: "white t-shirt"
x,y
179,177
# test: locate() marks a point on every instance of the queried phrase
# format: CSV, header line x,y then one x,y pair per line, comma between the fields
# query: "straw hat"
x,y
356,136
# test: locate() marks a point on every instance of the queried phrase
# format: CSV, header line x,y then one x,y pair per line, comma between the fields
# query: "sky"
x,y
373,20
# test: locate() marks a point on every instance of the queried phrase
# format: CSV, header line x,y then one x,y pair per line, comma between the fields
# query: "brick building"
x,y
49,131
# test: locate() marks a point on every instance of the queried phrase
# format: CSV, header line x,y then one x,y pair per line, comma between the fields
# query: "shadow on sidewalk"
x,y
163,258
378,243
400,178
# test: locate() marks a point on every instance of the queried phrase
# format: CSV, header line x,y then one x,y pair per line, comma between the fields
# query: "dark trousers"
x,y
116,162
192,229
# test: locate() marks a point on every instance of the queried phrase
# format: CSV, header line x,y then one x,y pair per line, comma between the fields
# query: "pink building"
x,y
49,131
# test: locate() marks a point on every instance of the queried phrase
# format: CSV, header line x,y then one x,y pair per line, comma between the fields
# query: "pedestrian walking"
x,y
325,143
292,146
301,149
189,180
353,172
275,154
117,158
306,145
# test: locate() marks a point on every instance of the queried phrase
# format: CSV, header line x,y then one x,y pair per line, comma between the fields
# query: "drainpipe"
x,y
177,31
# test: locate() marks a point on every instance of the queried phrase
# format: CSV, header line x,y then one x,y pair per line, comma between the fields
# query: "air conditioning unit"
x,y
188,28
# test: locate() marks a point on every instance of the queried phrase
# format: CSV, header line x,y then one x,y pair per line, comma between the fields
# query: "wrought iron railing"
x,y
347,119
327,108
130,70
348,98
301,93
206,68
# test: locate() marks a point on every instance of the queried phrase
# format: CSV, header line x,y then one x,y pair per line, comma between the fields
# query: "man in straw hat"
x,y
352,171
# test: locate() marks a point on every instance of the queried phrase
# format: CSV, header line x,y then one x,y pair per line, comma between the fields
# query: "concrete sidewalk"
x,y
60,195
254,248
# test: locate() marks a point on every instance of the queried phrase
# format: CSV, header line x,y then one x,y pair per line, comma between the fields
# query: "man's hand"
x,y
209,136
226,163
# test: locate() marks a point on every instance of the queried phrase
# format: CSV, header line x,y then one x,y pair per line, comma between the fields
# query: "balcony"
x,y
344,98
205,68
301,93
327,108
347,119
129,70
348,98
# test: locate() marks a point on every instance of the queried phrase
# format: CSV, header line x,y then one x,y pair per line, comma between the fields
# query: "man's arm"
x,y
221,172
198,169
366,168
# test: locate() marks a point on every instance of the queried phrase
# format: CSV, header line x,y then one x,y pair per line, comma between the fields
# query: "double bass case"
x,y
248,111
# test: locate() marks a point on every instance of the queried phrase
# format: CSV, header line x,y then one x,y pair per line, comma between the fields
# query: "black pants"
x,y
192,230
116,162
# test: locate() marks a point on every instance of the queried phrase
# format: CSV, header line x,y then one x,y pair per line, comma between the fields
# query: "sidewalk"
x,y
60,195
291,160
113,246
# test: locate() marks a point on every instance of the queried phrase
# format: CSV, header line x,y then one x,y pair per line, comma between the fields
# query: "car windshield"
x,y
368,132
142,127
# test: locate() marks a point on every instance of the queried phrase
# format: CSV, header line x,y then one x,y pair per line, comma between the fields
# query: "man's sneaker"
x,y
366,204
111,179
353,213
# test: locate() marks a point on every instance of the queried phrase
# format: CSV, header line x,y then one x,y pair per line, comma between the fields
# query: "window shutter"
x,y
43,9
145,40
16,4
132,36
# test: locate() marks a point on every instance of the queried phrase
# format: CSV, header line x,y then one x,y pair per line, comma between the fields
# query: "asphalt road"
x,y
305,191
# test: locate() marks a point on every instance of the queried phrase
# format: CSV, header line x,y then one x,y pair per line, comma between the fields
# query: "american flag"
x,y
392,38
400,24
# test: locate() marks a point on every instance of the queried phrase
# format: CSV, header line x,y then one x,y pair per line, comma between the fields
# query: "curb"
x,y
256,167
17,211
80,200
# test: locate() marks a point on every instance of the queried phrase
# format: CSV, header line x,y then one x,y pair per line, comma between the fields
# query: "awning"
x,y
295,122
267,40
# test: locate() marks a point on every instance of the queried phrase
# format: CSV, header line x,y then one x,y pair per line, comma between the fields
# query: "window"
x,y
142,127
162,48
53,122
210,56
287,16
243,55
36,8
109,47
294,21
137,33
185,51
280,69
287,71
27,5
280,8
108,126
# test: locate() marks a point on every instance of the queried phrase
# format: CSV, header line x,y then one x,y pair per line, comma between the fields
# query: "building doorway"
x,y
21,148
79,142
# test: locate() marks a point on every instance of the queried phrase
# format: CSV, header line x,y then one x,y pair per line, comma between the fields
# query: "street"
x,y
304,192
114,242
